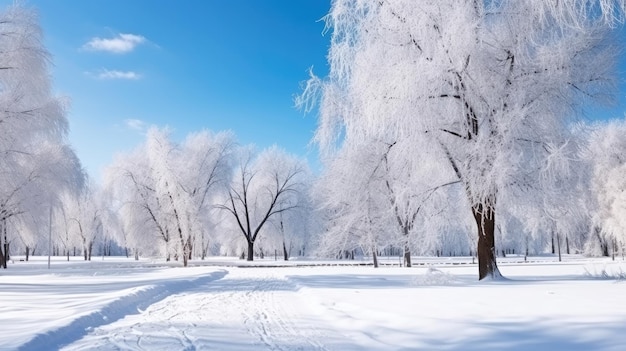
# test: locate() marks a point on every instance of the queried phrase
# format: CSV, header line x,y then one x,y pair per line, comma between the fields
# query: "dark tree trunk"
x,y
3,261
558,243
27,252
485,221
407,255
250,250
614,249
604,246
567,244
553,243
285,253
375,258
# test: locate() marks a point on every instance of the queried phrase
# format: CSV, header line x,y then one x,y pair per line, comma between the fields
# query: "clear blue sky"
x,y
191,65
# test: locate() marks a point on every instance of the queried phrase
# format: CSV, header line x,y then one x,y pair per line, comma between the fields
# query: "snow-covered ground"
x,y
120,304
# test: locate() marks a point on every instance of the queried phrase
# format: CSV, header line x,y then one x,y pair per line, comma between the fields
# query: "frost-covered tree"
x,y
203,169
130,182
485,86
166,190
82,219
386,192
261,189
352,195
35,160
607,155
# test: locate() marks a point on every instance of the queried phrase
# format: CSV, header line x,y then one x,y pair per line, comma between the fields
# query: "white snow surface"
x,y
221,304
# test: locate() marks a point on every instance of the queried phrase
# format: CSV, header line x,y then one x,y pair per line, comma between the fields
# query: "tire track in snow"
x,y
116,310
278,327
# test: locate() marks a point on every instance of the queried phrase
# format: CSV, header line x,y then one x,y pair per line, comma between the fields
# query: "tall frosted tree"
x,y
35,159
486,86
165,190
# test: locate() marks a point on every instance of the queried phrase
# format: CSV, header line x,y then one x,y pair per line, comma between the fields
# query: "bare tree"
x,y
261,190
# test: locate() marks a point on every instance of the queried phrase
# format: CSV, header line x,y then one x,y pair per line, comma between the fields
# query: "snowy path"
x,y
243,310
138,299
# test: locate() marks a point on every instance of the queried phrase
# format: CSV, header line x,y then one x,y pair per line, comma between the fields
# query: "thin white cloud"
x,y
121,44
135,124
115,74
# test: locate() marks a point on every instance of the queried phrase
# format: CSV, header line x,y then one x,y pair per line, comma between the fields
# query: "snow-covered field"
x,y
147,305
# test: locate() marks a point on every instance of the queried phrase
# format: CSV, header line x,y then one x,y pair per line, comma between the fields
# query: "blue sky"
x,y
191,65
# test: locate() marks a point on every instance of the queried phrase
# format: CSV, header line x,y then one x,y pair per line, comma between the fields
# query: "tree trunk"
x,y
407,257
566,245
3,262
614,248
375,258
250,250
285,253
27,253
558,243
6,246
485,221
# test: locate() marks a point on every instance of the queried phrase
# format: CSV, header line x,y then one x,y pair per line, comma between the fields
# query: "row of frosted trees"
x,y
433,120
203,196
207,196
371,204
